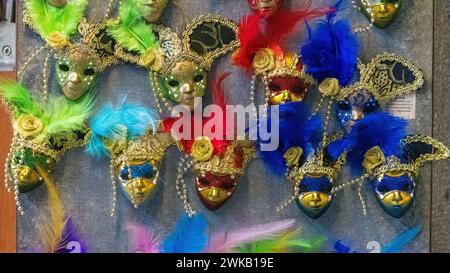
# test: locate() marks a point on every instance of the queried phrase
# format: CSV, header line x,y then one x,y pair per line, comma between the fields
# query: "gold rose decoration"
x,y
57,40
329,87
202,149
373,158
293,156
264,61
29,126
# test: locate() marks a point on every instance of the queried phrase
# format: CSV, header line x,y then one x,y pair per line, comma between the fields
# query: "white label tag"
x,y
403,107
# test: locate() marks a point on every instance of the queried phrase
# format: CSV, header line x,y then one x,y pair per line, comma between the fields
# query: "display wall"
x,y
84,183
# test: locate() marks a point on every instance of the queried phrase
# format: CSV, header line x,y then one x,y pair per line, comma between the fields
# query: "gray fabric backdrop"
x,y
84,182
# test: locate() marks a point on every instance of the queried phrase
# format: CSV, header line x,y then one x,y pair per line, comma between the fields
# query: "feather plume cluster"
x,y
191,235
132,31
295,129
47,18
58,232
219,145
332,50
255,32
128,120
58,114
379,129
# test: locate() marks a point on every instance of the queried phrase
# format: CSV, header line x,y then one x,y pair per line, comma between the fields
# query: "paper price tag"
x,y
403,107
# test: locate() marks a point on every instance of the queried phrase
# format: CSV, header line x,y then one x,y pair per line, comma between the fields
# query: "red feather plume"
x,y
277,28
220,145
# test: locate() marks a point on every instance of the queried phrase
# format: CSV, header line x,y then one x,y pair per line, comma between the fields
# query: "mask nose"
x,y
74,77
397,197
286,96
316,197
357,115
214,193
383,8
187,88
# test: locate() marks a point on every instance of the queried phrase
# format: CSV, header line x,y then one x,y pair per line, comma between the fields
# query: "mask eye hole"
x,y
63,67
274,87
383,189
371,107
199,78
344,105
303,188
173,83
204,182
89,72
297,89
124,174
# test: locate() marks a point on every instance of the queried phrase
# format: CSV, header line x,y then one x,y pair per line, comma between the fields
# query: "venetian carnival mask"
x,y
218,173
386,77
312,180
354,108
394,177
186,81
77,70
57,3
394,191
152,9
265,7
184,74
128,135
284,80
138,179
43,133
382,12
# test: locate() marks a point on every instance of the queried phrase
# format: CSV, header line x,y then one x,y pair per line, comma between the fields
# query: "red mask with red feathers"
x,y
261,52
218,163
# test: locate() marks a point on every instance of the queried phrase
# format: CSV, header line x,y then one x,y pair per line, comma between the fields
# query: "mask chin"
x,y
139,190
392,206
313,204
211,193
28,178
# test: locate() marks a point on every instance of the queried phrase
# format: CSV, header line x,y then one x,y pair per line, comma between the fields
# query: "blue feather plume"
x,y
378,129
332,50
189,236
396,245
295,129
110,122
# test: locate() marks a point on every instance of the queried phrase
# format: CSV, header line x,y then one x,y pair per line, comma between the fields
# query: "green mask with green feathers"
x,y
43,132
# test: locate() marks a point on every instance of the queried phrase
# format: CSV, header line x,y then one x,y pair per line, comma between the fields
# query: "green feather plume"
x,y
47,18
132,32
288,242
62,115
18,98
58,114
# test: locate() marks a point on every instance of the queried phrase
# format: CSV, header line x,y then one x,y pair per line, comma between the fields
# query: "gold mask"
x,y
26,171
316,201
138,180
384,11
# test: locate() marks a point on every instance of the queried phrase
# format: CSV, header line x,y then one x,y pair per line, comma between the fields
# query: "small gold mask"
x,y
384,11
138,180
